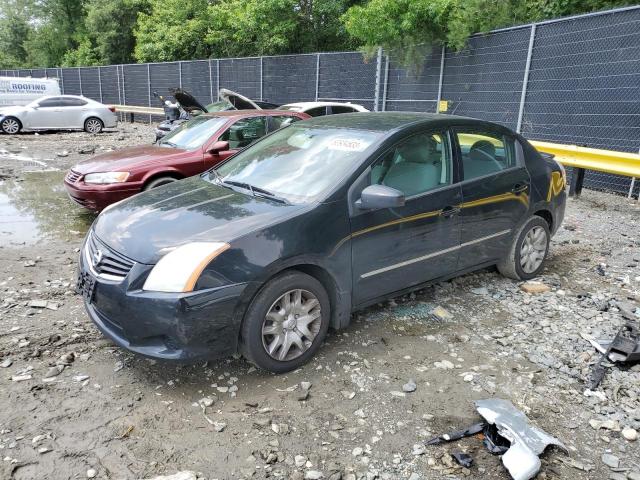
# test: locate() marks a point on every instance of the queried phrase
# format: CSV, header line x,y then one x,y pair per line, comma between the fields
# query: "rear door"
x,y
495,193
396,248
73,111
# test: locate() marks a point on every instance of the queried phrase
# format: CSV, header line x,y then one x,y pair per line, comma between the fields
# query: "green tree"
x,y
15,29
107,36
172,30
406,27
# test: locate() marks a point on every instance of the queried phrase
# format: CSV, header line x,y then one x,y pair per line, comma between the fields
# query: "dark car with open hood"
x,y
264,253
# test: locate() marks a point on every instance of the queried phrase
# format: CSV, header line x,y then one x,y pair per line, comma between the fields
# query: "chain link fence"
x,y
574,80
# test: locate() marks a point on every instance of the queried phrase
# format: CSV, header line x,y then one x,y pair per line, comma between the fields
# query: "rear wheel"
x,y
93,125
528,250
286,322
11,125
157,182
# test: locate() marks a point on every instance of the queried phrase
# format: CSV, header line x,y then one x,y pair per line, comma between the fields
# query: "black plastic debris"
x,y
457,435
624,348
493,441
463,459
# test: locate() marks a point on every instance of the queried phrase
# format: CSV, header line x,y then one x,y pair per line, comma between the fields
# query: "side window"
x,y
245,131
317,112
280,121
484,153
416,165
50,102
340,109
73,102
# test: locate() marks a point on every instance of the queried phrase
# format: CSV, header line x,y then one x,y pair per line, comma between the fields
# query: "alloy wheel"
x,y
93,126
291,325
533,249
10,126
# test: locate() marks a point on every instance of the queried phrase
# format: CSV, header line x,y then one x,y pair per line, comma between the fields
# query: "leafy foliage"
x,y
47,33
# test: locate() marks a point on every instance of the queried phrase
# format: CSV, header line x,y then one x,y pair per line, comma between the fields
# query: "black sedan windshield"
x,y
298,163
193,134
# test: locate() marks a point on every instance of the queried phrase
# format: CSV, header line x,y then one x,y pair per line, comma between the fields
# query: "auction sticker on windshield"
x,y
347,144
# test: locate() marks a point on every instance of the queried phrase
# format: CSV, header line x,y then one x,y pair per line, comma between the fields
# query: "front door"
x,y
48,114
396,248
240,135
495,192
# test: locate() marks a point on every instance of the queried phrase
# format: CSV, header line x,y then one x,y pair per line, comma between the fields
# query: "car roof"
x,y
249,113
320,104
384,121
65,96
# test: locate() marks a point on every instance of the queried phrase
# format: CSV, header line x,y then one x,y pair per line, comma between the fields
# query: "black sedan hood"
x,y
187,101
186,211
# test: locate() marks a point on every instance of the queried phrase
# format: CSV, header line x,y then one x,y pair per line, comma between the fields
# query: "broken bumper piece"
x,y
527,441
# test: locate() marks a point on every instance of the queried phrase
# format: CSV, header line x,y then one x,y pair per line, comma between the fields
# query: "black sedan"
x,y
290,236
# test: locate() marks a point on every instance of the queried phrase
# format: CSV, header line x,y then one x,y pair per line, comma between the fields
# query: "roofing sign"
x,y
24,86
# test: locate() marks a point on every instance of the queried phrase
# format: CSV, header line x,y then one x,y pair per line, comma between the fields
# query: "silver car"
x,y
61,112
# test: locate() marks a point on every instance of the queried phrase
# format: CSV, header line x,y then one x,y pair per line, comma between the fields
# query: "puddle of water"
x,y
36,208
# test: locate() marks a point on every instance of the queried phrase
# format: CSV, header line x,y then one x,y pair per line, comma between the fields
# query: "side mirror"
x,y
219,146
376,197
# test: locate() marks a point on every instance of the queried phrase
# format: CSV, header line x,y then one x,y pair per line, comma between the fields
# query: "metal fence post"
x,y
180,73
118,85
442,54
80,80
261,59
525,80
217,78
210,82
149,87
61,80
386,82
100,84
376,94
317,74
632,187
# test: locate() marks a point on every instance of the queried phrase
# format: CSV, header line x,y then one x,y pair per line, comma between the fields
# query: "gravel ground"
x,y
75,406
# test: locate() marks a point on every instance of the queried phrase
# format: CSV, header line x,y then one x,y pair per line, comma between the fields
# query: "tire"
x,y
11,125
93,125
158,182
528,250
267,313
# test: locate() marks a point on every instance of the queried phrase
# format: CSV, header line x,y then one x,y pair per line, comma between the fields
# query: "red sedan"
x,y
193,148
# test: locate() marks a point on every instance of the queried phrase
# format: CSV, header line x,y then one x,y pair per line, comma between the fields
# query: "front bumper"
x,y
181,326
97,197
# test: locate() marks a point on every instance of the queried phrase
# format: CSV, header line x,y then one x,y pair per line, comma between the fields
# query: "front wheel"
x,y
158,182
93,125
11,125
286,322
528,250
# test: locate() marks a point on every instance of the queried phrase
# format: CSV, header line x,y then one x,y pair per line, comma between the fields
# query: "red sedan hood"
x,y
126,158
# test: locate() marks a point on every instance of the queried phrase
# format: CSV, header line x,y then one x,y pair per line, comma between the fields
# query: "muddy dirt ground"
x,y
111,415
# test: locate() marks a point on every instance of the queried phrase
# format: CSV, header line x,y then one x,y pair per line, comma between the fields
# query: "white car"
x,y
59,112
317,109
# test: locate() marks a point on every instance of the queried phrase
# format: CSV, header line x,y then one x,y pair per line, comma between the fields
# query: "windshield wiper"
x,y
255,191
170,144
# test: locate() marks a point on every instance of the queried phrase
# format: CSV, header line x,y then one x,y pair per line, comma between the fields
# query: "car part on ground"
x,y
110,177
63,112
624,348
527,442
343,201
507,432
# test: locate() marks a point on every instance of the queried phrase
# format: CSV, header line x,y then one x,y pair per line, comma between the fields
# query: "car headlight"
x,y
179,270
106,177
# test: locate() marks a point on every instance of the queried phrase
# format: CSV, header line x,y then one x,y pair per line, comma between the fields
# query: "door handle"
x,y
449,211
519,188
